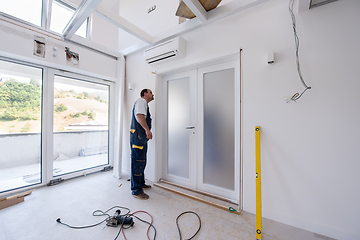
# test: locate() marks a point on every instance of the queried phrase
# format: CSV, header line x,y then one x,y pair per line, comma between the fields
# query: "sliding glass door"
x,y
52,124
20,125
80,125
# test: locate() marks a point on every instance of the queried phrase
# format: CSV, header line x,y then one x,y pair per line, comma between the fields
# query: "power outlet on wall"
x,y
39,48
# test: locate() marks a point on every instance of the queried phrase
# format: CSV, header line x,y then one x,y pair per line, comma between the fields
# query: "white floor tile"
x,y
74,201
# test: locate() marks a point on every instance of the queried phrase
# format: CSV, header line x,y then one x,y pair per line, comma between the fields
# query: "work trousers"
x,y
138,163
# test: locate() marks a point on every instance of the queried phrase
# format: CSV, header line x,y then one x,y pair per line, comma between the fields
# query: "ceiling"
x,y
143,23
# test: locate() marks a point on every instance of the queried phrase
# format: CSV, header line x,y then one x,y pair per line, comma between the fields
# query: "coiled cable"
x,y
177,224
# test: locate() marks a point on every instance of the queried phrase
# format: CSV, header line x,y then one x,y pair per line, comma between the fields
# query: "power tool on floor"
x,y
118,219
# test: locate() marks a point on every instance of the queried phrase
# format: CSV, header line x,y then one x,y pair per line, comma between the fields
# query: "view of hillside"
x,y
20,107
78,108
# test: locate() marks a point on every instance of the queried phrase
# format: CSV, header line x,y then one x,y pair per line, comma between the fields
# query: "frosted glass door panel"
x,y
218,168
178,120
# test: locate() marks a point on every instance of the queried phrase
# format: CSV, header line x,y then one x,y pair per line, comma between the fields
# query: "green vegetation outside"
x,y
21,101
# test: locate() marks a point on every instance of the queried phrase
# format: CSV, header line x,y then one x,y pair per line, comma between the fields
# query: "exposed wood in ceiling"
x,y
202,12
200,6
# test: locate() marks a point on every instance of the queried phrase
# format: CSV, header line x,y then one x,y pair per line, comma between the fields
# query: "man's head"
x,y
147,95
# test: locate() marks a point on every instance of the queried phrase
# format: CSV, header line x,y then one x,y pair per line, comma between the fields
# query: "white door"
x,y
218,130
203,129
179,165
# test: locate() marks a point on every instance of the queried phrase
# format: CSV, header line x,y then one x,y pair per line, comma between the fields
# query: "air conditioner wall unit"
x,y
171,49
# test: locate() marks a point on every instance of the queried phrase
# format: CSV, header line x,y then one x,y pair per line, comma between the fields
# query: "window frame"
x,y
24,22
46,13
47,124
71,7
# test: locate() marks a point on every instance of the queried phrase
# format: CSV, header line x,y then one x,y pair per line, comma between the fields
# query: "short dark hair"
x,y
142,93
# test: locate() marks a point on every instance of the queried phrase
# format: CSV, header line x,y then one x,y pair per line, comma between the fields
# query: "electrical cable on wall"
x,y
296,96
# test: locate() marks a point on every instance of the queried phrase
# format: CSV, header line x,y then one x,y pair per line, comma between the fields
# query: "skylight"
x,y
27,10
60,15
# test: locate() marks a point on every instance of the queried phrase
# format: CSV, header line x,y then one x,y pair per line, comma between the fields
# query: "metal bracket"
x,y
55,181
108,168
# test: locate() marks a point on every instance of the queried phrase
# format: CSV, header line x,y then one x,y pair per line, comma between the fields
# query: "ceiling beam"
x,y
196,7
216,14
134,48
84,10
231,8
122,23
187,26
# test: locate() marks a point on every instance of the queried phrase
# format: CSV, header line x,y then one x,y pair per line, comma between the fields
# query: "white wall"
x,y
144,78
106,36
309,152
18,43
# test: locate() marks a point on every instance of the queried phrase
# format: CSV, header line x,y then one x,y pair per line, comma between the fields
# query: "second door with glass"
x,y
203,129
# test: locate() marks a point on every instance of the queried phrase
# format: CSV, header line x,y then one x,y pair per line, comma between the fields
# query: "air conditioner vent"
x,y
162,57
316,3
168,50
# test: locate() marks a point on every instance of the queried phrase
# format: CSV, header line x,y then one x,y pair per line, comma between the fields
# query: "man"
x,y
139,135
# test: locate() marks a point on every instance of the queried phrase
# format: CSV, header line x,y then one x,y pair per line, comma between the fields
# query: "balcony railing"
x,y
72,151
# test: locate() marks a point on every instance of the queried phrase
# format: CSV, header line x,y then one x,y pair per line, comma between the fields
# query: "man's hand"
x,y
148,134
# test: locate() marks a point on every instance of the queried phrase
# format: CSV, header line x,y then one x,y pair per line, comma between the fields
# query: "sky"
x,y
31,11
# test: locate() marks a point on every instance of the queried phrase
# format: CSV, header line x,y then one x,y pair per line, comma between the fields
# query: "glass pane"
x,y
81,116
20,125
61,15
219,128
82,31
178,120
27,10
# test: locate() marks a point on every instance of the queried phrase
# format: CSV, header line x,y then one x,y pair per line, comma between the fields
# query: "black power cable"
x,y
98,213
81,227
177,224
123,219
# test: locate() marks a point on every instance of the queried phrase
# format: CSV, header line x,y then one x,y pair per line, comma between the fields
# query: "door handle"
x,y
190,127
